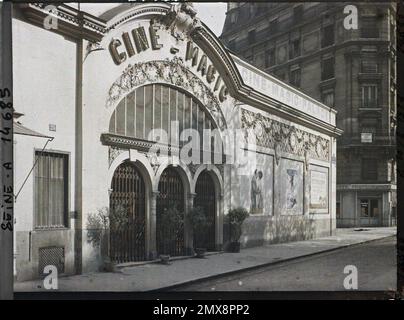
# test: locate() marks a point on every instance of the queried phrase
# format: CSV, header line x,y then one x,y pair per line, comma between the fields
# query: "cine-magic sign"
x,y
137,41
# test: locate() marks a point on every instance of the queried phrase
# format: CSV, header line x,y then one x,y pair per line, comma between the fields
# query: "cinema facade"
x,y
88,93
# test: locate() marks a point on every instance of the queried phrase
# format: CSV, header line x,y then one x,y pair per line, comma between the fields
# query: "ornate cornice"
x,y
71,22
220,57
118,144
172,72
114,23
124,142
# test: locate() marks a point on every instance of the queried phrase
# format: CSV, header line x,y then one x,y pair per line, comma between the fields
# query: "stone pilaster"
x,y
152,236
188,236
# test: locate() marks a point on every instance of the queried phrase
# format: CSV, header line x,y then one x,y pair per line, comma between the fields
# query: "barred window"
x,y
327,71
369,96
51,189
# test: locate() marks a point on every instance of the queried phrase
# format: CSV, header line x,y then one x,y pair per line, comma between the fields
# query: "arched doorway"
x,y
206,199
169,227
127,215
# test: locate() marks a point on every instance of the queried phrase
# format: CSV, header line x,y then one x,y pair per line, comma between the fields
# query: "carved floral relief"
x,y
281,137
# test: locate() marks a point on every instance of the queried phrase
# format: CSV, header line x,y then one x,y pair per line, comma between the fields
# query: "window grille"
x,y
51,256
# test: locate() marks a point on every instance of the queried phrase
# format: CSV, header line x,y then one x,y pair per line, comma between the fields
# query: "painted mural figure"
x,y
291,195
257,200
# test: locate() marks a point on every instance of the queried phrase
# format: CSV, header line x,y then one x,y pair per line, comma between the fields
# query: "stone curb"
x,y
228,273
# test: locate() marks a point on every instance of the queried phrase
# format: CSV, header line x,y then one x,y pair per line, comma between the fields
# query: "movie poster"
x,y
319,190
292,192
257,186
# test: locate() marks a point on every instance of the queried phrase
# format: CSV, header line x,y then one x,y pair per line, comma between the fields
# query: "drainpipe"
x,y
78,164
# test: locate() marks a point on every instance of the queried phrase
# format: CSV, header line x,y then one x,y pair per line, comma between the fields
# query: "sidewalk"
x,y
156,276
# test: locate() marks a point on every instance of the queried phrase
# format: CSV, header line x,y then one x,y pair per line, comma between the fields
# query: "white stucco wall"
x,y
44,77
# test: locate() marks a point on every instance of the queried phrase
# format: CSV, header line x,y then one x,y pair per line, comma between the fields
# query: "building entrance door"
x,y
170,214
206,199
127,215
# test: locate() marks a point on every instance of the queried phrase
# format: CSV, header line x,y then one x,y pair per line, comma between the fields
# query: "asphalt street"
x,y
375,263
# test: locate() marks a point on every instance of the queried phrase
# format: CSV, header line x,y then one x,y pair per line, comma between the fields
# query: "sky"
x,y
212,14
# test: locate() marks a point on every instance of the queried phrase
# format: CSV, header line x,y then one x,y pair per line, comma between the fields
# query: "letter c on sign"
x,y
116,56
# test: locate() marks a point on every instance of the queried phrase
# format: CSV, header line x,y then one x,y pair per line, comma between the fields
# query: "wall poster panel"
x,y
256,188
291,190
318,189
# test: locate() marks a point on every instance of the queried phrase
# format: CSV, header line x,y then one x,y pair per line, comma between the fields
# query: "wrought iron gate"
x,y
170,231
127,215
206,198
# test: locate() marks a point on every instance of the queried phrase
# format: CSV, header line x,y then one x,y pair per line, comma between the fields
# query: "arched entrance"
x,y
127,215
206,199
169,226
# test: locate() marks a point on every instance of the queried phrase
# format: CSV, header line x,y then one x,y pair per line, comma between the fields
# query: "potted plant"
x,y
172,220
236,218
165,258
98,225
200,224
